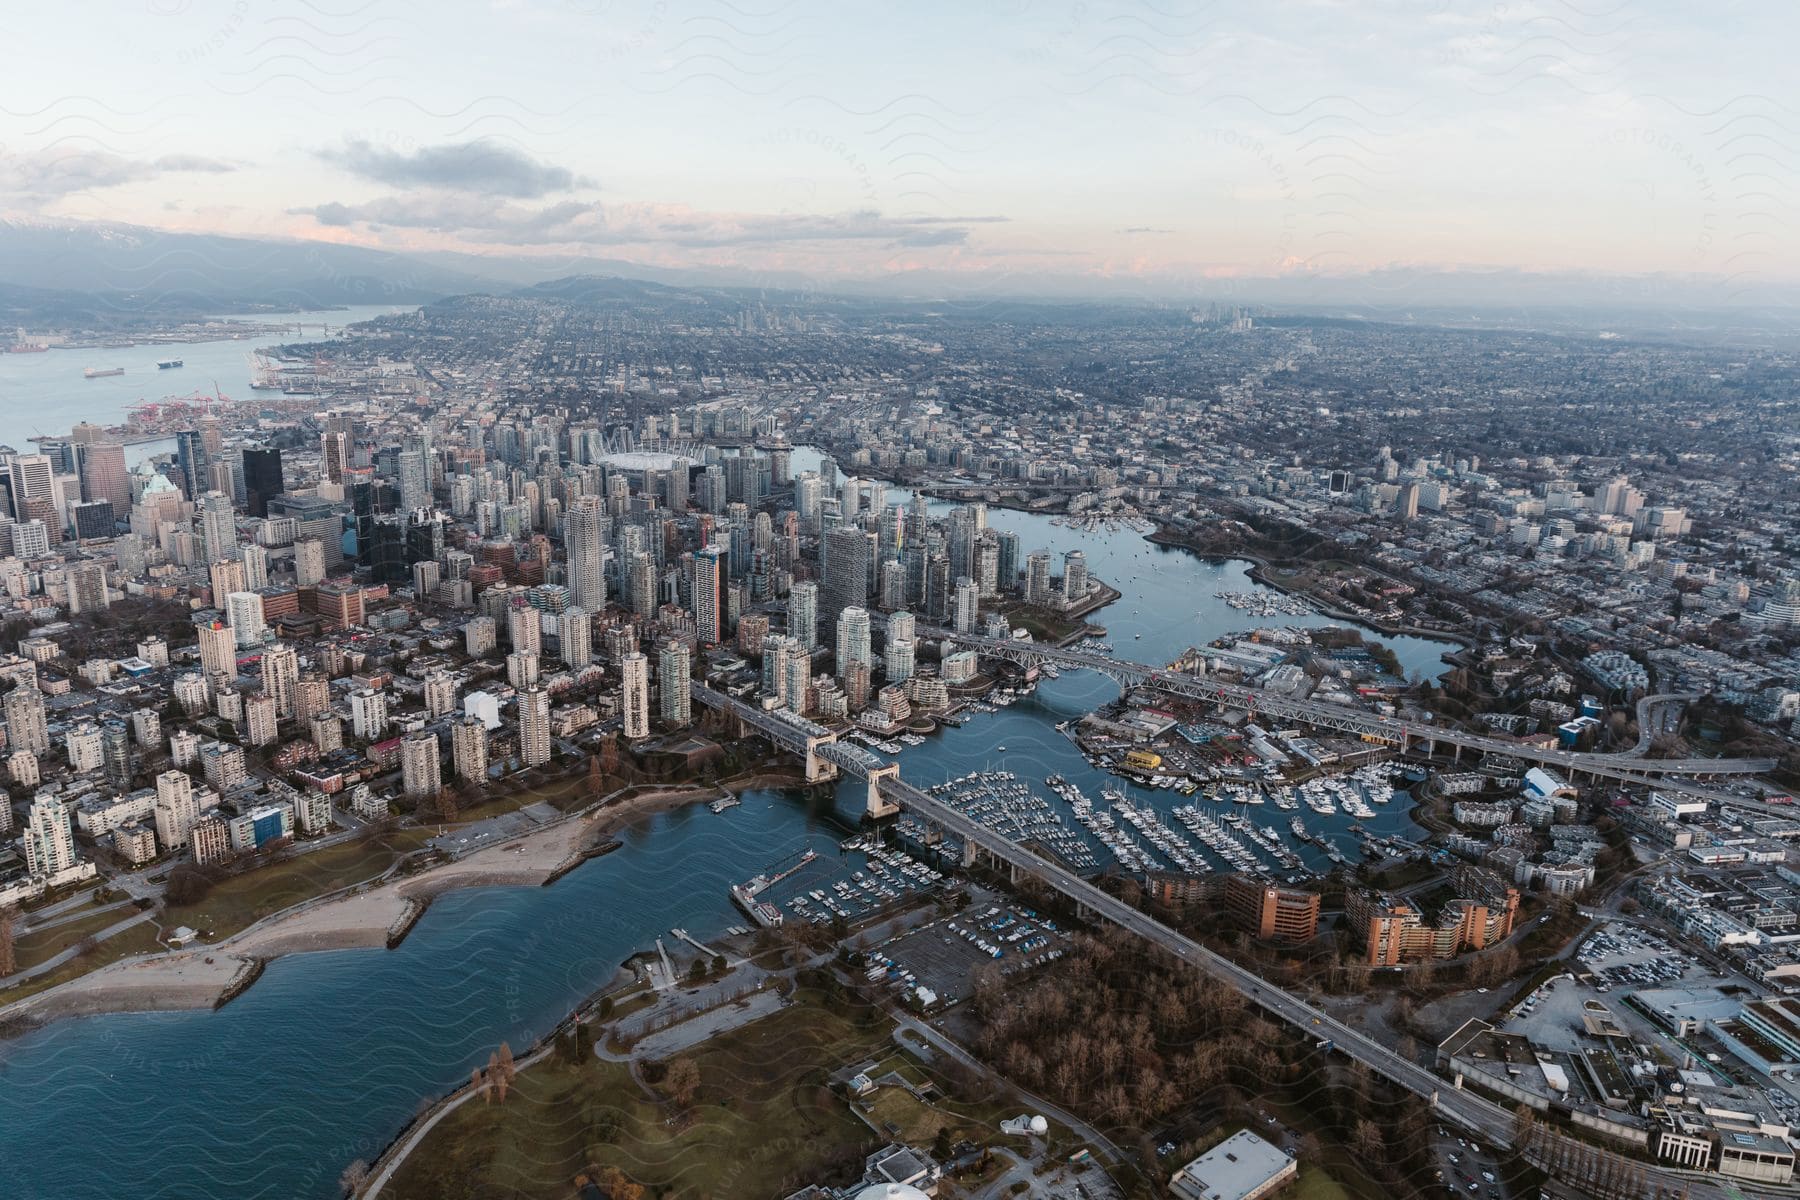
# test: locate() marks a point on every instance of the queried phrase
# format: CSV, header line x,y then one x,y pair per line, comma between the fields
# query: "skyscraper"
x,y
420,772
1037,578
469,748
104,476
575,636
852,639
1075,577
440,693
244,613
176,812
803,613
635,669
218,650
263,479
368,714
281,679
534,726
49,838
116,753
584,536
846,572
87,588
709,595
524,628
673,672
334,449
901,652
191,462
26,728
260,721
968,605
414,480
218,526
309,562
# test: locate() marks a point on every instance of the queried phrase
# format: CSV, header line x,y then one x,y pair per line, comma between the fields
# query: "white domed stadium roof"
x,y
644,460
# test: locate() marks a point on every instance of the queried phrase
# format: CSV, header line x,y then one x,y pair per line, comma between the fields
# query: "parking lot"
x,y
1551,1015
1623,961
1623,956
945,955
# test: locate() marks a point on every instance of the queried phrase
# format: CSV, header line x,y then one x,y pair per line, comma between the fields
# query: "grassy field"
x,y
244,899
139,939
1315,1184
763,1120
30,949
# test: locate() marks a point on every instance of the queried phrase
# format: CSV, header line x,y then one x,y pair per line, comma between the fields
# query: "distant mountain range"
x,y
88,273
129,269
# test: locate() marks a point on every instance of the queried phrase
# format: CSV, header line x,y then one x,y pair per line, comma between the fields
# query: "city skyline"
x,y
1128,148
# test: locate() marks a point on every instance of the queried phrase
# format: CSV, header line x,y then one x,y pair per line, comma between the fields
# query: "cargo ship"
x,y
101,372
167,364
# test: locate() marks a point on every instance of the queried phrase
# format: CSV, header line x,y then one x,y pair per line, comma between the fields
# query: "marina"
x,y
201,1071
1266,604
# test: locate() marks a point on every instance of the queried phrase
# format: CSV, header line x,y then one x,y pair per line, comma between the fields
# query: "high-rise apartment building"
x,y
49,837
534,726
420,773
176,811
244,613
846,573
635,669
218,651
368,714
585,528
852,639
673,672
26,726
469,748
575,636
709,594
803,613
281,679
440,693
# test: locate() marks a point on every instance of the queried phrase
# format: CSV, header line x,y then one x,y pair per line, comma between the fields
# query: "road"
x,y
63,956
942,1044
1490,1122
1342,717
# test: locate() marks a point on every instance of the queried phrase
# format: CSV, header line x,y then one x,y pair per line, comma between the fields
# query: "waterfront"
x,y
46,393
329,1054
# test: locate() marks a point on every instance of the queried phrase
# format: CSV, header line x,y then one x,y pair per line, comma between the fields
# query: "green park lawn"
x,y
242,900
763,1120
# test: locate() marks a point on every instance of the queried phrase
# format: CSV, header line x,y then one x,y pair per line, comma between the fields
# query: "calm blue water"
x,y
329,1055
46,393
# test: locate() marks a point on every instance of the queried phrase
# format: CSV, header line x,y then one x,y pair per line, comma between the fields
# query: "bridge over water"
x,y
827,758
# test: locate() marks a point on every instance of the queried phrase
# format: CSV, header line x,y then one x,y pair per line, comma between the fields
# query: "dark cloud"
x,y
48,175
578,223
480,167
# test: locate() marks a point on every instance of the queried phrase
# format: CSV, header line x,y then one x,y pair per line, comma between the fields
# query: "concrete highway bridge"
x,y
1342,718
827,758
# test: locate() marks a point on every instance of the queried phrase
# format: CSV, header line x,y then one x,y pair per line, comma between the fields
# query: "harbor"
x,y
508,963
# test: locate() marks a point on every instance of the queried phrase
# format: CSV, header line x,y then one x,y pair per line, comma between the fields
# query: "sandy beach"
x,y
201,976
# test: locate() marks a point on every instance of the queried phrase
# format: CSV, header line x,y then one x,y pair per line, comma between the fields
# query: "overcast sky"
x,y
1163,141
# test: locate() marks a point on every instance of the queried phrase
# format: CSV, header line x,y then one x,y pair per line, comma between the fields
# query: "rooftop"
x,y
1238,1168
